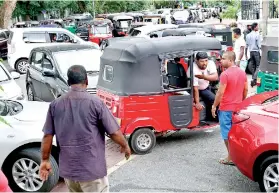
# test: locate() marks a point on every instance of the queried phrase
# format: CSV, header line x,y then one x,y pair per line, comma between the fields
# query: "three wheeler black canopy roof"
x,y
134,67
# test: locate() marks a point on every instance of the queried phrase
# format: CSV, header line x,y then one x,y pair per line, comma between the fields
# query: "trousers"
x,y
99,185
256,59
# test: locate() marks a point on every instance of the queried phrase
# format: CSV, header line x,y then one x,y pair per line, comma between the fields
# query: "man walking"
x,y
232,91
253,41
79,121
239,48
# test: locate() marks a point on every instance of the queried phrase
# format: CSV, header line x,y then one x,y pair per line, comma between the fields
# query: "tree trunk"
x,y
82,6
6,11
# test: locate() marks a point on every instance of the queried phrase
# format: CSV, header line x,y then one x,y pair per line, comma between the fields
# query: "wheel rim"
x,y
144,141
22,66
26,175
30,94
271,178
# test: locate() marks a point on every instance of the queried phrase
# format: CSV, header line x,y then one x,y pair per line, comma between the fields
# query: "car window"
x,y
272,56
135,32
35,37
59,37
2,36
47,63
37,59
7,33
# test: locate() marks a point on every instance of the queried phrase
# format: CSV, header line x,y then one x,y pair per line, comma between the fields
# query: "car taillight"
x,y
239,118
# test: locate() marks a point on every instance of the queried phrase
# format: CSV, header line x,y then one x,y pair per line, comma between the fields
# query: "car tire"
x,y
250,67
139,139
21,66
30,91
30,155
267,165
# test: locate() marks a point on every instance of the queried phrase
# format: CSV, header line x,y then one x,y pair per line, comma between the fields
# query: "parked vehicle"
x,y
267,79
182,17
121,24
148,105
46,78
153,18
71,22
4,35
138,17
187,31
4,185
10,88
22,41
20,143
150,30
100,30
253,140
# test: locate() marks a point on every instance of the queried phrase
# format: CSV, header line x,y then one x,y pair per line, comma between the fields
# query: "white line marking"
x,y
119,164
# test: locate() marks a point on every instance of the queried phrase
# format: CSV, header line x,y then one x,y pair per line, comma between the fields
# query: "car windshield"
x,y
89,58
135,32
100,30
3,75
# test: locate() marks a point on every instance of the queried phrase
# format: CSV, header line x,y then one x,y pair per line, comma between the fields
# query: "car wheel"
x,y
142,141
30,93
250,67
23,172
21,66
269,171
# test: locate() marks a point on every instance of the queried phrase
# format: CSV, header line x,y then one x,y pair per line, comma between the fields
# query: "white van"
x,y
23,40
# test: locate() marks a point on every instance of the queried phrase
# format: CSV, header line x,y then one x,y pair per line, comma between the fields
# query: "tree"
x,y
232,10
6,11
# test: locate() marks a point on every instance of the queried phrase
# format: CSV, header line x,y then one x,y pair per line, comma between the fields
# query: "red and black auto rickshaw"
x,y
147,95
100,30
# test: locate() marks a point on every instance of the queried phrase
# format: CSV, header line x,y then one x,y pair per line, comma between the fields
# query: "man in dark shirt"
x,y
79,121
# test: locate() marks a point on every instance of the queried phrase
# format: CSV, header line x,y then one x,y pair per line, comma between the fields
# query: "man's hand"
x,y
200,76
45,170
213,111
199,106
127,151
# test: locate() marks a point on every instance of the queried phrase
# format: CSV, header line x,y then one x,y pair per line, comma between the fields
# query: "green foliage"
x,y
232,10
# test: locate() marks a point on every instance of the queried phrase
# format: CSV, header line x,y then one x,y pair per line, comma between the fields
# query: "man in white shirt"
x,y
204,71
239,48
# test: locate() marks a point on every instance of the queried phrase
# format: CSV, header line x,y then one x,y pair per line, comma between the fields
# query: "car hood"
x,y
32,111
11,90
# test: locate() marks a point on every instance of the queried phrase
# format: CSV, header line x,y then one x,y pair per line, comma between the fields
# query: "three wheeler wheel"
x,y
142,141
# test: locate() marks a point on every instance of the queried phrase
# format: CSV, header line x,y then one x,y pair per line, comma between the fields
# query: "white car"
x,y
20,146
23,40
10,88
150,30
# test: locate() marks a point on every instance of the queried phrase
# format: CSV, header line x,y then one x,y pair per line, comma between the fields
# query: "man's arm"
x,y
46,147
211,77
245,91
219,94
111,127
259,41
241,54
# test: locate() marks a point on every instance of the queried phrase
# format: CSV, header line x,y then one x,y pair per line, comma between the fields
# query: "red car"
x,y
253,140
4,186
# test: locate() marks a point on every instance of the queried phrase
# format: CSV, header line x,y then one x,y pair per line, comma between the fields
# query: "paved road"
x,y
184,162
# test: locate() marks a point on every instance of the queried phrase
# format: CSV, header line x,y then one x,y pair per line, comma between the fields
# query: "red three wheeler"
x,y
147,91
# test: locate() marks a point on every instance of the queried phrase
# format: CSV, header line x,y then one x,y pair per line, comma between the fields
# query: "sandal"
x,y
226,162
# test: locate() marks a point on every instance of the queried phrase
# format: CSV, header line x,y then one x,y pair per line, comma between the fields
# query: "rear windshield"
x,y
10,37
272,56
108,73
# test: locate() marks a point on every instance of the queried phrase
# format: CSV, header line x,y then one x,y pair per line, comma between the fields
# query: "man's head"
x,y
228,59
255,27
236,33
77,76
177,59
202,60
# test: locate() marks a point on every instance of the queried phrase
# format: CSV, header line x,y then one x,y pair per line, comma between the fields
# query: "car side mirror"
x,y
48,72
15,75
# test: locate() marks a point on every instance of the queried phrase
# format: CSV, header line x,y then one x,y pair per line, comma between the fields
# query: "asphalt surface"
x,y
183,162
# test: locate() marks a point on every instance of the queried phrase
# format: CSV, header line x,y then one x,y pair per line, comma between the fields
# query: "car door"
x,y
35,73
50,84
3,44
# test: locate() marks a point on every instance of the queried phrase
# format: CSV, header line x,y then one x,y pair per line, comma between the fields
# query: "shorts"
x,y
225,120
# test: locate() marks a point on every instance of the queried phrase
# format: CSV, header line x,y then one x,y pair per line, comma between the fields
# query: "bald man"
x,y
232,91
